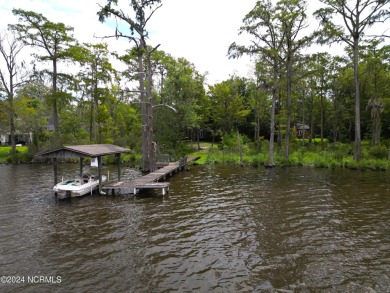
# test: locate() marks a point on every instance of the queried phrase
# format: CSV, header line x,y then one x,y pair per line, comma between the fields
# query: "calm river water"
x,y
221,229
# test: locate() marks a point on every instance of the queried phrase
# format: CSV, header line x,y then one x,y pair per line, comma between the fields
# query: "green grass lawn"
x,y
6,150
203,153
333,156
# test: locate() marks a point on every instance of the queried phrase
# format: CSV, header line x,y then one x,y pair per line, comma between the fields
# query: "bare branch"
x,y
153,11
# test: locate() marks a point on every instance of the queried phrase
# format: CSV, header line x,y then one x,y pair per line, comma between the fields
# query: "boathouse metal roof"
x,y
88,150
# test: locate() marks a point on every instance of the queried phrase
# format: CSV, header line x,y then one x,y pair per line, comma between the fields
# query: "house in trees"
x,y
20,138
302,130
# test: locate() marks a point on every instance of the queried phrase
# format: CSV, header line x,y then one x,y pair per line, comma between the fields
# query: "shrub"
x,y
350,163
229,142
293,160
211,156
258,160
260,146
18,157
379,151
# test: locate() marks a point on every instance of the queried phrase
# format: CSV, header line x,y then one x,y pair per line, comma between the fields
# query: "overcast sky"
x,y
198,30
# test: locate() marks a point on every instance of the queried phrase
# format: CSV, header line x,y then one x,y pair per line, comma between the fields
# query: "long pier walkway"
x,y
151,180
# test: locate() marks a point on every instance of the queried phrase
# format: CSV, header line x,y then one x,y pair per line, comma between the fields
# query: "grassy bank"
x,y
21,155
319,156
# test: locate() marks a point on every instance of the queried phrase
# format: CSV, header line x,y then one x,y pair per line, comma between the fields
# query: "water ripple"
x,y
221,229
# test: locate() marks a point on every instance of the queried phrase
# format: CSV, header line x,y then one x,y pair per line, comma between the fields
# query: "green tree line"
x,y
337,98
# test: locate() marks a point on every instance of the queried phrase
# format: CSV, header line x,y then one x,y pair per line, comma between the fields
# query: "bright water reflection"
x,y
222,229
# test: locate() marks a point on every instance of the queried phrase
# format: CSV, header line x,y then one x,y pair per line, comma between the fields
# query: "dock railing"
x,y
183,162
163,160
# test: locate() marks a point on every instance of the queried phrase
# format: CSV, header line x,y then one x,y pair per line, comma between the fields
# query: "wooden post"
x,y
55,165
118,157
81,166
99,158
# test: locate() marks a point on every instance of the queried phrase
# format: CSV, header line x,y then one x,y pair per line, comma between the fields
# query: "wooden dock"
x,y
151,180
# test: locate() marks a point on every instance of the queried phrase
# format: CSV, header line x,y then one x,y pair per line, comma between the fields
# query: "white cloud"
x,y
201,31
198,30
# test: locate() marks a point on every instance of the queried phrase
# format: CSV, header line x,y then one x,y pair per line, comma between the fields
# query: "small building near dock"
x,y
84,151
302,130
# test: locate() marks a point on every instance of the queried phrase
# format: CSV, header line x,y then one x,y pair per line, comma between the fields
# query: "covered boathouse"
x,y
85,151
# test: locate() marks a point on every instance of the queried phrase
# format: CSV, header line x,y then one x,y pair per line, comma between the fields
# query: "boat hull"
x,y
76,187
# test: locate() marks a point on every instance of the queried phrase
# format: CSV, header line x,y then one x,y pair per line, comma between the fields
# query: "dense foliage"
x,y
300,100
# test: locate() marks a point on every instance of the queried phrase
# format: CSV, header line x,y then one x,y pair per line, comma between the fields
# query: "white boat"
x,y
78,186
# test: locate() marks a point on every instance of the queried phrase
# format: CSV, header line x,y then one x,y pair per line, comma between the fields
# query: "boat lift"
x,y
85,151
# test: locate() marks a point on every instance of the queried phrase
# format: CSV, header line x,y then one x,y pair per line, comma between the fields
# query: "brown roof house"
x,y
302,130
